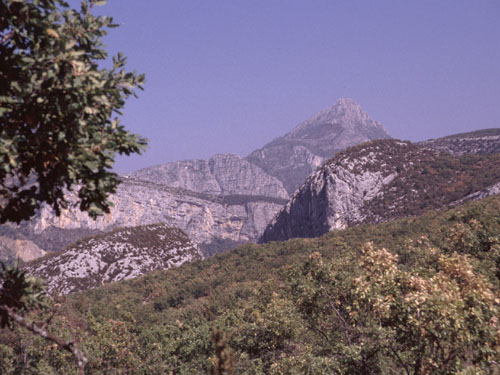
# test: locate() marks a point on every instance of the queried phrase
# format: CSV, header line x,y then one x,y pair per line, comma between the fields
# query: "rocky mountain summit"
x,y
379,181
281,166
295,155
122,254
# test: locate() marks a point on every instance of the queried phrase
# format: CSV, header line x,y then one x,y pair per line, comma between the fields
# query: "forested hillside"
x,y
414,296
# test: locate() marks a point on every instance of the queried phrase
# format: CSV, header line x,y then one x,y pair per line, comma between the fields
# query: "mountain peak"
x,y
345,114
346,119
295,155
346,103
348,108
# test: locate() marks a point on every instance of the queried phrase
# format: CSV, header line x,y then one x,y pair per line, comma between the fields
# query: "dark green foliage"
x,y
217,245
18,292
59,131
56,108
223,364
326,305
431,181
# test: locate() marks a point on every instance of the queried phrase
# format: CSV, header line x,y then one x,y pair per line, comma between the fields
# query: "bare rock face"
x,y
12,249
120,255
224,174
332,197
379,181
194,175
237,176
220,202
203,217
294,156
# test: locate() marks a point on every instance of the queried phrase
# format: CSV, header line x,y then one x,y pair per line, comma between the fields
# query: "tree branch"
x,y
70,346
344,323
398,358
6,37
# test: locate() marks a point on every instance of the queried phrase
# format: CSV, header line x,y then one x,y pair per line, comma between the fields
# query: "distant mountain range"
x,y
282,165
219,203
376,181
211,206
391,243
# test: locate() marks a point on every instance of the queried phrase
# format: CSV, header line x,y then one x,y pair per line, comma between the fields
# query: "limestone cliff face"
x,y
11,249
203,217
237,176
224,174
332,197
294,156
120,255
194,175
379,181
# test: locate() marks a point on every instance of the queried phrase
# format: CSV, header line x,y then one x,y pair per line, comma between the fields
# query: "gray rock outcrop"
x,y
194,175
379,181
120,255
203,217
224,174
332,197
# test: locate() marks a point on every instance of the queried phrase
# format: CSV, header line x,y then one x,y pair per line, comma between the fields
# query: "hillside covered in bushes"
x,y
418,295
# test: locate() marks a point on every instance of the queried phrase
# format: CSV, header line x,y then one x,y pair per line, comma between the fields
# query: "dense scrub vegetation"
x,y
484,142
424,178
414,296
433,181
491,132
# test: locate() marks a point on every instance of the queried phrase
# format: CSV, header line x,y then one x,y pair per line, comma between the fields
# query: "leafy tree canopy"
x,y
58,108
58,126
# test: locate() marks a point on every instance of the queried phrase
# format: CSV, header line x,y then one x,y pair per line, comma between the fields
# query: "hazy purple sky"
x,y
229,75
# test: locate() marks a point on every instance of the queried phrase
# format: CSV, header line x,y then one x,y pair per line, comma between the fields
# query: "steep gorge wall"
x,y
203,217
379,181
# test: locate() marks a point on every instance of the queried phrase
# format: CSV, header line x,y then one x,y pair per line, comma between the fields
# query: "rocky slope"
x,y
483,142
220,202
224,174
294,156
379,181
15,249
282,165
120,255
205,218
